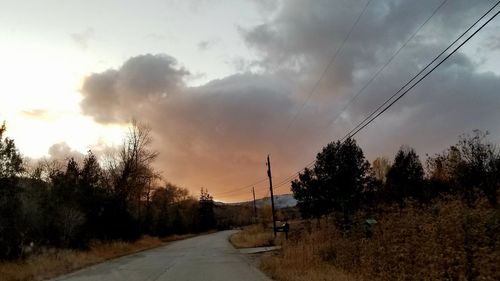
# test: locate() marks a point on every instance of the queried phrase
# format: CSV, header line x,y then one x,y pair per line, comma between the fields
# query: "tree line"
x,y
342,181
67,205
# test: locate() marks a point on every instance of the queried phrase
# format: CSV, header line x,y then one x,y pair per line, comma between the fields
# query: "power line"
x,y
387,63
291,177
294,175
243,187
287,180
330,63
374,114
313,90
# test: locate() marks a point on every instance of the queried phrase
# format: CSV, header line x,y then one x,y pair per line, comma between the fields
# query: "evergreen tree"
x,y
206,213
406,177
307,191
10,170
336,183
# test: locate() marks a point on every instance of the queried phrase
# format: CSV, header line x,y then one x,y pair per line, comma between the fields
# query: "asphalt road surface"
x,y
203,258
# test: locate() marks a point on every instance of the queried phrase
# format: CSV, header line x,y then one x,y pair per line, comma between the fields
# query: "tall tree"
x,y
337,182
406,176
131,173
93,197
206,213
11,167
479,167
307,191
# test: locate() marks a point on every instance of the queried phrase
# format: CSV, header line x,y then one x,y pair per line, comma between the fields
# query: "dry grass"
x,y
300,260
292,265
449,241
253,236
53,263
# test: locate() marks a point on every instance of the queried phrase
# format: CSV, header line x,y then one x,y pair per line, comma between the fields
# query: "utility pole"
x,y
254,206
271,189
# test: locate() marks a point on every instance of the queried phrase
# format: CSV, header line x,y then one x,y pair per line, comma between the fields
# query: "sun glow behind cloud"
x,y
40,94
251,66
46,51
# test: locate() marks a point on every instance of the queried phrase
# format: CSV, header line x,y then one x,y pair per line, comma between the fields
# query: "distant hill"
x,y
280,201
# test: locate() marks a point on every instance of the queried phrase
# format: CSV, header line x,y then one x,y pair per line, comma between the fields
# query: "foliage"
x,y
446,241
10,170
405,177
68,205
252,236
206,213
438,225
309,195
380,168
472,165
336,182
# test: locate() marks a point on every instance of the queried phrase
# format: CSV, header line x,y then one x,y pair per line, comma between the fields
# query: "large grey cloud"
x,y
140,80
303,37
218,134
213,135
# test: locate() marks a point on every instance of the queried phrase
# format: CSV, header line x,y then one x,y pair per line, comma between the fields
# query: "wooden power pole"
x,y
254,206
271,189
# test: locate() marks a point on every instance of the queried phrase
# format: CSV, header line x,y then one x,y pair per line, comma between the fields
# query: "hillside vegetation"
x,y
56,216
399,220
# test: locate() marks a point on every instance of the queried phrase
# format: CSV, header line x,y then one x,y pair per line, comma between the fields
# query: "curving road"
x,y
203,258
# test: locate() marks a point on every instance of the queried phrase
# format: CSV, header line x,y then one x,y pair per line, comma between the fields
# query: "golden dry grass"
x,y
253,236
448,241
53,263
300,259
299,264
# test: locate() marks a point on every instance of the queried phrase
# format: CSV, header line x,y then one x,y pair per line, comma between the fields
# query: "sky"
x,y
222,84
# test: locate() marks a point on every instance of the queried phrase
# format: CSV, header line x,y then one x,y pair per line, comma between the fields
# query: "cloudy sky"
x,y
224,83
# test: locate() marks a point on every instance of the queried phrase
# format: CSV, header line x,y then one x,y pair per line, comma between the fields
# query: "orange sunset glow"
x,y
221,90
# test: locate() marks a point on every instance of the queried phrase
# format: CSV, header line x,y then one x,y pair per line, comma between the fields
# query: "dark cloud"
x,y
218,134
303,37
212,135
115,95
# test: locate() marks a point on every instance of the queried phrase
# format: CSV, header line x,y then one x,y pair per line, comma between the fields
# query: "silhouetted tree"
x,y
479,167
308,192
164,200
469,167
406,177
67,204
337,182
10,170
441,172
206,213
163,226
130,174
93,197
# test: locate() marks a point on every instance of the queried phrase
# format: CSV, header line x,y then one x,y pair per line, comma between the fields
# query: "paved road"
x,y
203,258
